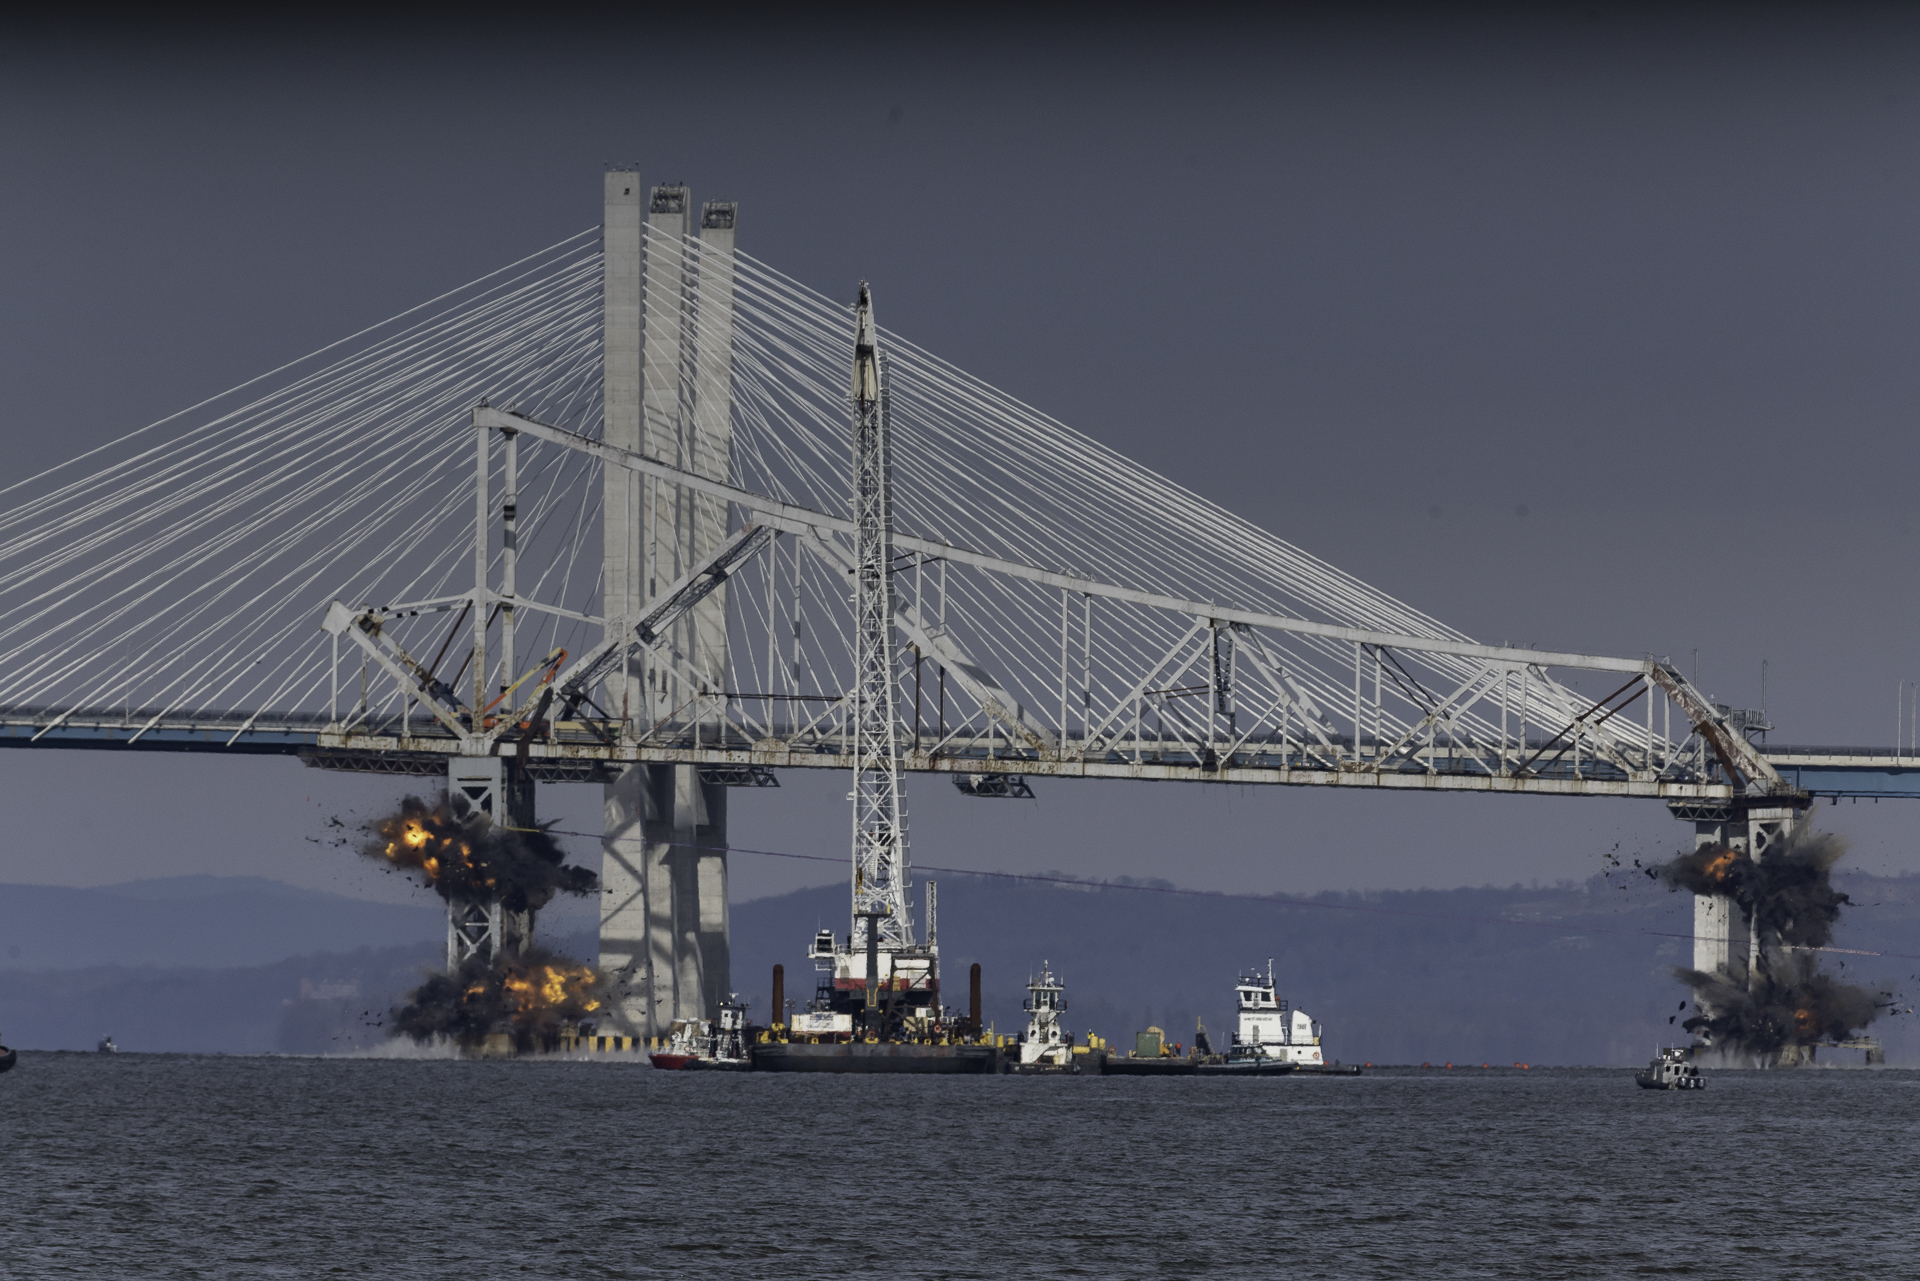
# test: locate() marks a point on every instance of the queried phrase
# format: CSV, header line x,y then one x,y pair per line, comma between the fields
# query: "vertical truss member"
x,y
879,825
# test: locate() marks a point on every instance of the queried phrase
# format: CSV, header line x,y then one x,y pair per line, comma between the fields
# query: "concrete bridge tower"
x,y
667,392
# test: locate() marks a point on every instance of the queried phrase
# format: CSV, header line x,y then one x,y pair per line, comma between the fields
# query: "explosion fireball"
x,y
466,858
523,992
529,997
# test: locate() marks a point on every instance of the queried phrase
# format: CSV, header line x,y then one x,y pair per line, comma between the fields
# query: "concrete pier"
x,y
1723,937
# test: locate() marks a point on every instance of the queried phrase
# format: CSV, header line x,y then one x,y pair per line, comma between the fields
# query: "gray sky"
x,y
1380,280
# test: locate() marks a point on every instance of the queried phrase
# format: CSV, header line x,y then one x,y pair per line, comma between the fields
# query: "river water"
x,y
184,1166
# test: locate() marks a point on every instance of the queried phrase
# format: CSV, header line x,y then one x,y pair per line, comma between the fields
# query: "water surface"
x,y
183,1166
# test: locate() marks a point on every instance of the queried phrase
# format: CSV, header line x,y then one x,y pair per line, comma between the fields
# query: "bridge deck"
x,y
581,756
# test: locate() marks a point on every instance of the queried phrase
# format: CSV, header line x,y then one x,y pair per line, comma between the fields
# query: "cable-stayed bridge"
x,y
606,515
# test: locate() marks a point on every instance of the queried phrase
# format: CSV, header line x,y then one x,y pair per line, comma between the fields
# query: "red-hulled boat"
x,y
706,1045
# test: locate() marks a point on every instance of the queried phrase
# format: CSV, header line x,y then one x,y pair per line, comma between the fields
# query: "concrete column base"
x,y
663,920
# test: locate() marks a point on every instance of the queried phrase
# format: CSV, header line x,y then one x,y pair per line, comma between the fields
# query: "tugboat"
x,y
1045,1047
1269,1039
107,1046
701,1045
1671,1071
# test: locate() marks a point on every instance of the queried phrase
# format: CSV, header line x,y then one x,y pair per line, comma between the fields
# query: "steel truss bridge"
x,y
619,504
320,563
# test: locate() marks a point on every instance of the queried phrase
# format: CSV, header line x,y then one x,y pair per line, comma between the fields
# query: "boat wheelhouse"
x,y
1672,1069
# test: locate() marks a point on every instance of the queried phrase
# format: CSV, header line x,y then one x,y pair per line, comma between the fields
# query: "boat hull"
x,y
1150,1067
878,1057
673,1062
1647,1081
694,1063
7,1059
1256,1067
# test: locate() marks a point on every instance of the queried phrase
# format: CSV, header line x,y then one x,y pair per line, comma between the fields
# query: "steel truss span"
x,y
391,553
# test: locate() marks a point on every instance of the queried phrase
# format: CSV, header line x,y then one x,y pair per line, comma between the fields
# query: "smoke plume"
x,y
466,858
528,997
1791,904
1788,894
1790,1001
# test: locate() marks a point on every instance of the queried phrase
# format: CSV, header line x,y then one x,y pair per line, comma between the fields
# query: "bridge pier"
x,y
663,884
503,791
1724,941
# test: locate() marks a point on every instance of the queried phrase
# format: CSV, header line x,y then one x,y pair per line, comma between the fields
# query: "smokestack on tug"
x,y
779,1015
973,998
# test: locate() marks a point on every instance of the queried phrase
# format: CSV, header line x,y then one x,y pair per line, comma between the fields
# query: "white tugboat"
x,y
1269,1039
1672,1070
1047,1046
695,1044
1268,1033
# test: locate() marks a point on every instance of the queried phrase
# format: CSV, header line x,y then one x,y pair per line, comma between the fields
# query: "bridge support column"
x,y
702,954
663,922
1724,941
504,792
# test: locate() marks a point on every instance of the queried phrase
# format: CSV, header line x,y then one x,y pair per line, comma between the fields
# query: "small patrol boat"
x,y
1671,1070
707,1044
107,1046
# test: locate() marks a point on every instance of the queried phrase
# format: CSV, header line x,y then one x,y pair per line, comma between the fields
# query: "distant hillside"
x,y
318,1004
198,921
1561,975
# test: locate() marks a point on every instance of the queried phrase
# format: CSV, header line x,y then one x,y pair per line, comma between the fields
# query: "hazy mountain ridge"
x,y
221,921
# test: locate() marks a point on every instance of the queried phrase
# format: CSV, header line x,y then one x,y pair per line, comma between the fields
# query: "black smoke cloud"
x,y
1790,1001
1792,906
466,858
1788,894
529,997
